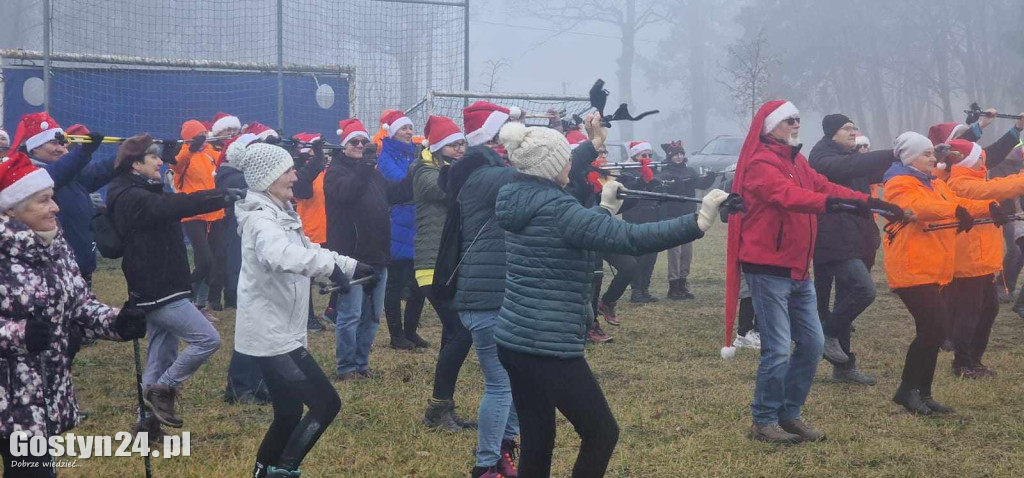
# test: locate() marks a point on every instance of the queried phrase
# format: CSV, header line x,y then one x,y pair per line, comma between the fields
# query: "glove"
x,y
231,195
366,270
273,139
95,140
610,197
895,212
850,206
964,218
130,323
999,218
708,213
170,151
340,280
38,334
318,149
196,143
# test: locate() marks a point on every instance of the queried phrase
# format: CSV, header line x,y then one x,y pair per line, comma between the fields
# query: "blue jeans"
x,y
786,312
165,326
497,417
855,291
356,327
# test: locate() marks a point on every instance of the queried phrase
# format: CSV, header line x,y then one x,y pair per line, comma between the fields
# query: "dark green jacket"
x,y
551,241
431,208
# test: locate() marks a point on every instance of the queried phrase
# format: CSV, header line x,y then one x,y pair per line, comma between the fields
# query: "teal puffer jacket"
x,y
551,241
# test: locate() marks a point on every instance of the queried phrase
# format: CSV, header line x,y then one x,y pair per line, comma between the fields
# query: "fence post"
x,y
465,52
280,66
46,55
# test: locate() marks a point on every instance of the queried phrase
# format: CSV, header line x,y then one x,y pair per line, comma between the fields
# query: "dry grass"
x,y
683,411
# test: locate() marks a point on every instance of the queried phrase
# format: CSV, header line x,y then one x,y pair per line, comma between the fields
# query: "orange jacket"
x,y
313,212
194,172
980,251
915,257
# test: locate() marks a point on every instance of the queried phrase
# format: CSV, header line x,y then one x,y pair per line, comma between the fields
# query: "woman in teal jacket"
x,y
551,241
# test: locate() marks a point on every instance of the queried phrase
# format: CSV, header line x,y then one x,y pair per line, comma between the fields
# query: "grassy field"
x,y
682,410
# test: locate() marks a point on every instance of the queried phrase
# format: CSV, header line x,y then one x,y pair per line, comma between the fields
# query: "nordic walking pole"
x,y
45,378
138,389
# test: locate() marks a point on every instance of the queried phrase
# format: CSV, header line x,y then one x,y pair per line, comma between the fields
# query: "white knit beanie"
x,y
263,164
908,146
541,152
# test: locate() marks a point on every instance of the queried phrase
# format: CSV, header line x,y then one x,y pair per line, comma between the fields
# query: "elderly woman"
x,y
43,295
273,300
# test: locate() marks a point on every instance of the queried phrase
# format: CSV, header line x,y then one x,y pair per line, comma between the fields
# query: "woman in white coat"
x,y
273,300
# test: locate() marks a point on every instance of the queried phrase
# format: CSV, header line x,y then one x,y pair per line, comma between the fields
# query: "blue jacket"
x,y
393,163
551,242
75,176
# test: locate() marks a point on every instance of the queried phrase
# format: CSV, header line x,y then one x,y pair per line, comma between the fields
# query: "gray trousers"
x,y
679,259
164,326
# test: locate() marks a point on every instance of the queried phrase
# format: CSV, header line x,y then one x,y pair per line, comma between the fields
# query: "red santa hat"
x,y
394,120
20,179
35,130
306,138
77,129
970,150
946,132
261,131
637,147
482,121
575,138
440,132
223,121
349,129
862,140
781,113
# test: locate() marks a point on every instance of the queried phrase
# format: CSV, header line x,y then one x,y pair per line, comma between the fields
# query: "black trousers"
x,y
455,344
974,305
540,385
645,269
402,275
209,252
746,316
294,380
931,315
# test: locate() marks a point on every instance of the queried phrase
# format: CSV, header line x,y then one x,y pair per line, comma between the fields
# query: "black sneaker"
x,y
402,343
911,401
313,324
417,341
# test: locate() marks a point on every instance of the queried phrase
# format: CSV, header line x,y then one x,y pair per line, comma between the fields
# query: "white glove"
x,y
708,213
610,197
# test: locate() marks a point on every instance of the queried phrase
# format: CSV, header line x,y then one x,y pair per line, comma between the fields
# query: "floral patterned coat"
x,y
44,280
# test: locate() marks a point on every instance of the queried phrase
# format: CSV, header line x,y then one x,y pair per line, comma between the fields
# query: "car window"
x,y
728,146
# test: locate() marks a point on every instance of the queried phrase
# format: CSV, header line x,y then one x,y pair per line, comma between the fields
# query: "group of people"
x,y
504,229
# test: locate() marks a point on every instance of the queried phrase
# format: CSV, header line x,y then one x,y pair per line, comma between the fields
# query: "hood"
x,y
19,242
519,201
475,158
260,205
898,169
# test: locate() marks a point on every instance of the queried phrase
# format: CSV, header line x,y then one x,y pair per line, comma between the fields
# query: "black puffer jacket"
x,y
848,236
148,219
358,213
681,180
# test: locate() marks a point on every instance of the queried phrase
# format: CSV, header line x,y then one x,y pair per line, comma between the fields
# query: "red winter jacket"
x,y
783,196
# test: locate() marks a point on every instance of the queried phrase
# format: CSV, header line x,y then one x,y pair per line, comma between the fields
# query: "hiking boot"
x,y
275,472
366,374
608,312
160,399
834,351
650,298
936,407
748,341
402,343
910,399
347,377
597,336
674,292
417,341
151,426
439,415
947,346
507,463
772,433
313,324
687,295
806,433
465,424
852,375
486,472
636,296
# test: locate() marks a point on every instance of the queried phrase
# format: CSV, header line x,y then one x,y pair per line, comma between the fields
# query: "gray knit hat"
x,y
263,164
541,152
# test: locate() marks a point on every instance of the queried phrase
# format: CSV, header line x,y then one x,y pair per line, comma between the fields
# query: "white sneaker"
x,y
746,342
756,337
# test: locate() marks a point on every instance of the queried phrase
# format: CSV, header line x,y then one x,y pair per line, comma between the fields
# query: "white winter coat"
x,y
273,287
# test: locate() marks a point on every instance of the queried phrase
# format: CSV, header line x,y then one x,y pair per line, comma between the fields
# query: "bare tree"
x,y
748,70
492,72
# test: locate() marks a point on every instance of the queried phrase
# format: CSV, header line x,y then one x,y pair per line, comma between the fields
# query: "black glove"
x,y
95,140
196,144
366,270
964,218
318,149
340,280
38,334
849,206
370,153
130,323
999,218
273,139
895,212
231,195
170,152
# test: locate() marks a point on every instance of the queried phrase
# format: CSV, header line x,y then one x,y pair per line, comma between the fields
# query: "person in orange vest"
x,y
310,204
194,171
919,263
979,257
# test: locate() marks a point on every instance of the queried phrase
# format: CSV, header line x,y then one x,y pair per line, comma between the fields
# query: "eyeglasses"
x,y
646,155
458,145
850,129
602,152
793,121
359,142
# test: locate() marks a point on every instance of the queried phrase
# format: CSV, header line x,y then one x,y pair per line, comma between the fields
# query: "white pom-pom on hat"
x,y
512,136
515,112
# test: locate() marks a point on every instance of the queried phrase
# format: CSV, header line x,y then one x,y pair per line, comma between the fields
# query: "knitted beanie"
x,y
833,123
263,164
910,145
541,152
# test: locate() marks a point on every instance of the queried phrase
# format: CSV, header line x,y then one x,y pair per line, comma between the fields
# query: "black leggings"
x,y
11,471
928,306
746,316
455,344
542,384
401,275
294,379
